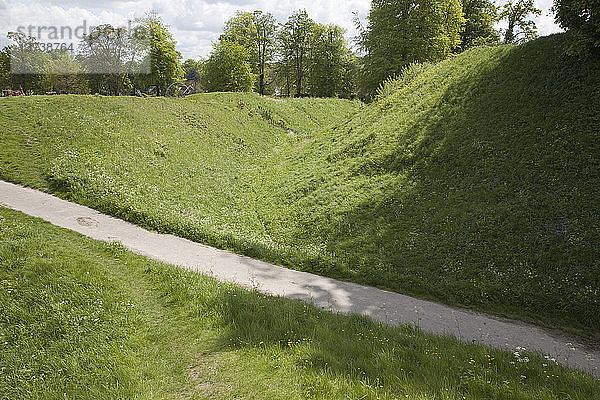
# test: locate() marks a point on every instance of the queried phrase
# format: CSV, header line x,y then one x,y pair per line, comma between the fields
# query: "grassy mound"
x,y
473,181
187,166
89,320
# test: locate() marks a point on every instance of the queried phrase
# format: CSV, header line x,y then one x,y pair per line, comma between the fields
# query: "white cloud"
x,y
194,23
545,22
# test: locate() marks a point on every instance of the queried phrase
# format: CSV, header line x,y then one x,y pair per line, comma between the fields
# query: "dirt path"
x,y
329,294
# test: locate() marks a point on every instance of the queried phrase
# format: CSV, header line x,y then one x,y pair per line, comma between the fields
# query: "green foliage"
x,y
164,58
28,64
582,20
516,13
312,60
480,17
328,60
228,69
66,76
105,50
5,78
192,70
294,44
241,28
400,32
111,61
315,60
192,73
256,31
351,77
448,187
89,320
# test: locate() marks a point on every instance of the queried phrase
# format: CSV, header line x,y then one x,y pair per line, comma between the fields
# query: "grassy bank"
x,y
188,166
89,320
474,183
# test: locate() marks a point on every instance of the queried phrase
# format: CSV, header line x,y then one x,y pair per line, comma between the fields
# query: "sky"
x,y
195,24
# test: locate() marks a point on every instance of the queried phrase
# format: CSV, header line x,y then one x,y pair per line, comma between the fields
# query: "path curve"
x,y
330,294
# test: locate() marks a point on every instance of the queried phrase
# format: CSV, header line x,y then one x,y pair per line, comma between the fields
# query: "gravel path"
x,y
329,294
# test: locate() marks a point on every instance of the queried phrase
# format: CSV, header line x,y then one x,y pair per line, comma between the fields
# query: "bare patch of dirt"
x,y
207,382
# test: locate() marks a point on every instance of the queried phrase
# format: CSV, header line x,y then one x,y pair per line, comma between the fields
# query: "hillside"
x,y
187,166
474,182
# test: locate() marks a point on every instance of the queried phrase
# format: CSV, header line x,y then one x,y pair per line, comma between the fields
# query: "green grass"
x,y
187,166
473,182
89,320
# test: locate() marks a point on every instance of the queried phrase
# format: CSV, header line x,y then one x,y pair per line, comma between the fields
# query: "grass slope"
x,y
187,166
89,320
474,182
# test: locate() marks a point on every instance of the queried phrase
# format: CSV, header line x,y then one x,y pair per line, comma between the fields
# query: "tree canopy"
x,y
517,15
480,17
164,58
105,50
328,58
228,69
27,65
256,32
400,32
294,41
581,18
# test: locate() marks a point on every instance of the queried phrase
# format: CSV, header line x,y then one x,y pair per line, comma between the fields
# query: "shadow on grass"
x,y
330,352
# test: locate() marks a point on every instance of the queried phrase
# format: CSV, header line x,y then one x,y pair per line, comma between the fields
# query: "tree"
x,y
104,51
192,72
256,31
66,76
581,18
164,58
328,52
480,17
284,72
520,29
294,41
228,69
400,32
5,80
28,64
351,77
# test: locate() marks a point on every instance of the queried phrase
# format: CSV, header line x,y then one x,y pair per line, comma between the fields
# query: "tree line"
x,y
297,57
110,60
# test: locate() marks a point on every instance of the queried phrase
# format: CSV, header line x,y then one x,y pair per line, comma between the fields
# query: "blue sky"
x,y
194,23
